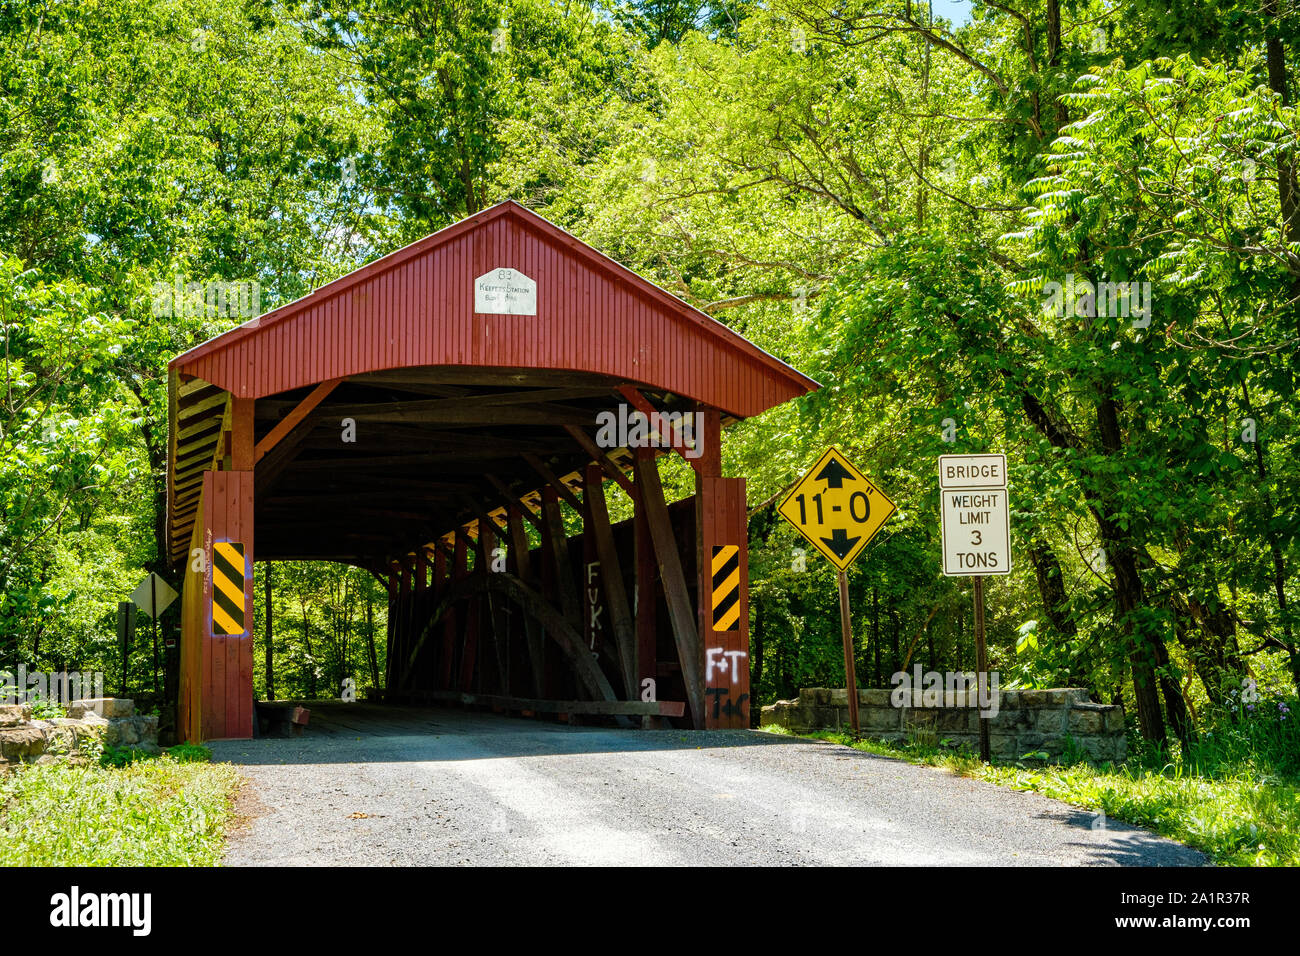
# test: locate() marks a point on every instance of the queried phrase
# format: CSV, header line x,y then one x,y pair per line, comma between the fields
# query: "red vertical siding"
x,y
226,663
415,307
722,522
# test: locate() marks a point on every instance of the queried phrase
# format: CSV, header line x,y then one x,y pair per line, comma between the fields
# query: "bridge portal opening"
x,y
476,422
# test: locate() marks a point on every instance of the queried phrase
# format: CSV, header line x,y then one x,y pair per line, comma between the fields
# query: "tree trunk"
x,y
1275,548
311,655
875,632
370,639
270,638
1051,587
1175,706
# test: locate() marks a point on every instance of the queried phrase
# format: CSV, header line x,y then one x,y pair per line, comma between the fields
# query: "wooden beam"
x,y
463,411
526,510
268,471
197,408
646,408
297,414
549,477
219,449
498,521
601,458
527,397
487,377
680,612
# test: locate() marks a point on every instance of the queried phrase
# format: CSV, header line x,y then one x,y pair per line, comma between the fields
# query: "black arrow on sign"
x,y
834,474
840,543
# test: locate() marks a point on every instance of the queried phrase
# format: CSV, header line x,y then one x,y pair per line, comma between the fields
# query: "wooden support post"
x,y
429,658
521,560
595,613
646,600
495,626
680,612
241,434
421,571
459,571
217,663
611,577
558,544
390,658
469,649
408,578
722,560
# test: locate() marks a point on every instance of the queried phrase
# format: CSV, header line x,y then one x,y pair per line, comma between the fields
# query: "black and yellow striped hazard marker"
x,y
726,588
228,589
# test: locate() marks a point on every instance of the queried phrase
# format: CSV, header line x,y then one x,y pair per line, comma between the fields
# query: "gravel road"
x,y
368,785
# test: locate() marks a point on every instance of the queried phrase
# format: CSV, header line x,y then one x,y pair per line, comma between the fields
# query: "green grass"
x,y
1233,795
156,812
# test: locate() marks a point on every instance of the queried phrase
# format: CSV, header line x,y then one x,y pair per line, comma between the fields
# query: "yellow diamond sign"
x,y
837,508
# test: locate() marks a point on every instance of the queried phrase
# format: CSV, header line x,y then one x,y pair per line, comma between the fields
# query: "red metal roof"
x,y
415,308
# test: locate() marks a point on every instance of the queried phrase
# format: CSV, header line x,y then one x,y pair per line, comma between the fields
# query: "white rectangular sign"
x,y
972,471
505,292
976,531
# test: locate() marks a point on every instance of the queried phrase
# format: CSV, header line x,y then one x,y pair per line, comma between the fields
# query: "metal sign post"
x,y
850,667
981,666
839,510
976,541
153,622
153,596
125,634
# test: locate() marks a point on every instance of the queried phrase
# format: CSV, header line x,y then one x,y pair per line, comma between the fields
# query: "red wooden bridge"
x,y
429,417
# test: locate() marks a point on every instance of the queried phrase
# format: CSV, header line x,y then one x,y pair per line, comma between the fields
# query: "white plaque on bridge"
x,y
505,292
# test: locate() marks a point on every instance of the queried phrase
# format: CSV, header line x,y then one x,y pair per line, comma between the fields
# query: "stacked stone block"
x,y
110,721
1027,722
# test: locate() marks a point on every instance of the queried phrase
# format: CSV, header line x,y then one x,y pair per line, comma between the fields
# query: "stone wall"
x,y
1028,721
110,721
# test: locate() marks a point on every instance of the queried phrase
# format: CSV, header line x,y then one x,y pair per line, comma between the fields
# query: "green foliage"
x,y
888,207
45,709
126,756
190,753
150,813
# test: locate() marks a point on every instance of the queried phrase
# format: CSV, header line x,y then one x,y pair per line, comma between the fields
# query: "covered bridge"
x,y
423,418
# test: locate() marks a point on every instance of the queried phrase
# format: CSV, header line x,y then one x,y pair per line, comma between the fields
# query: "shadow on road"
x,y
381,733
